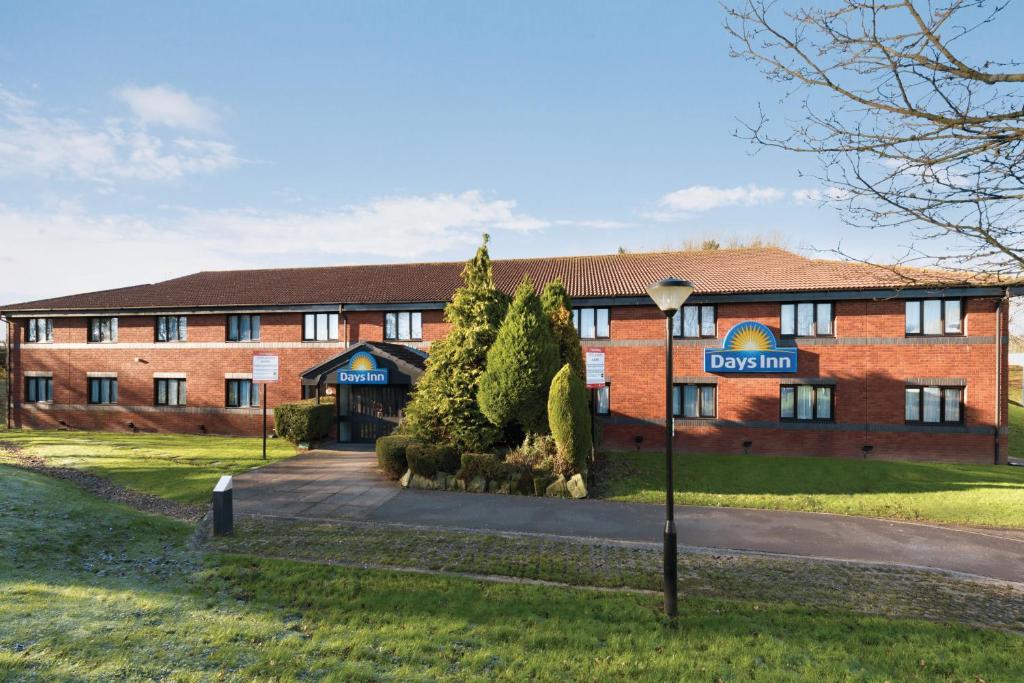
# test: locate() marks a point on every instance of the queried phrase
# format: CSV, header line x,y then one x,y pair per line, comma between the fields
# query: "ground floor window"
x,y
806,402
603,400
934,405
308,391
38,389
102,390
693,400
242,393
170,392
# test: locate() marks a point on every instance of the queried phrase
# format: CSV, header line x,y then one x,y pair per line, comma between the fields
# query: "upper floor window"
x,y
171,328
243,327
320,327
103,329
603,400
806,402
807,319
694,321
591,323
38,389
934,405
170,392
242,393
102,390
403,325
693,400
934,317
38,330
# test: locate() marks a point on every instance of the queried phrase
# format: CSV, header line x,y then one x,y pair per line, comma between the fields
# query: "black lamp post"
x,y
669,295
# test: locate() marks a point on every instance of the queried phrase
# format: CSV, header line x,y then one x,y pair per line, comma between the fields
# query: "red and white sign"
x,y
264,368
595,368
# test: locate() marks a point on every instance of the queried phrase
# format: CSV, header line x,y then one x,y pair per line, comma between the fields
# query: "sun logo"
x,y
362,361
750,336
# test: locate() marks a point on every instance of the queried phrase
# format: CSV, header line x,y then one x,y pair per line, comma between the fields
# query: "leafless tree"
x,y
911,128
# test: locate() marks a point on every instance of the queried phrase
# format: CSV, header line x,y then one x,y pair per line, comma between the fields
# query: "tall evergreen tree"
x,y
444,404
514,387
558,308
569,415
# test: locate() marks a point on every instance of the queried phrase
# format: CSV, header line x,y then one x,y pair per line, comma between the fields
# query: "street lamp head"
x,y
670,293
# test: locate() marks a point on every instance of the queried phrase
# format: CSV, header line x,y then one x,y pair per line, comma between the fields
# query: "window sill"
x,y
786,420
242,341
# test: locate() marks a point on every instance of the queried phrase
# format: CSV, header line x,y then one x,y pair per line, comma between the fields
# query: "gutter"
x,y
999,374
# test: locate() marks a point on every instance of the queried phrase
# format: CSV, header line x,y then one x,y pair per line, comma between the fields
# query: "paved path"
x,y
346,485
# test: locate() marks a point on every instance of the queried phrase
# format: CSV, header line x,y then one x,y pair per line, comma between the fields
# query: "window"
x,y
694,321
602,400
806,319
320,327
102,390
170,328
243,328
308,391
103,329
403,325
39,330
591,323
806,402
170,392
38,389
934,405
242,393
693,400
934,317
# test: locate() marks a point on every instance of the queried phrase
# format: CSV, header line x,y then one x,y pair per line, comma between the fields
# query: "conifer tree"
x,y
558,308
444,405
569,415
514,387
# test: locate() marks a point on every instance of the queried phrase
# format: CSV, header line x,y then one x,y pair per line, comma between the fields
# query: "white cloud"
x,y
32,142
163,105
814,196
76,244
704,197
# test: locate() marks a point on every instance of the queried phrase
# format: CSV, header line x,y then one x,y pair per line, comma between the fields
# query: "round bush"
x,y
391,454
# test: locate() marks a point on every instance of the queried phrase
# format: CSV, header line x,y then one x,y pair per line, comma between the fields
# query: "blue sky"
x,y
139,141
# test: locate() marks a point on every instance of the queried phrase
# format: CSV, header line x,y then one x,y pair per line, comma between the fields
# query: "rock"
x,y
460,484
404,481
540,484
576,486
503,486
522,484
476,485
440,481
418,481
557,488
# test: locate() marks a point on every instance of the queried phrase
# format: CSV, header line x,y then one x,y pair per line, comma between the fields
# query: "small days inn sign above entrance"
x,y
750,348
362,369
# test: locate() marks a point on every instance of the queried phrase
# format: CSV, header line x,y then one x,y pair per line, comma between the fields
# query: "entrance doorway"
x,y
366,413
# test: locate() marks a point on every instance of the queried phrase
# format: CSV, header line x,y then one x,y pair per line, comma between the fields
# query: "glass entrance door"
x,y
369,412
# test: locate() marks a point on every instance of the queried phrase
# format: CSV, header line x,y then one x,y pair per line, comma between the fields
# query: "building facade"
x,y
884,367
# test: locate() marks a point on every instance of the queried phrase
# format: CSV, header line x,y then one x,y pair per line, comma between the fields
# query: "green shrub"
x,y
429,459
569,416
558,308
486,465
520,365
391,454
303,422
536,451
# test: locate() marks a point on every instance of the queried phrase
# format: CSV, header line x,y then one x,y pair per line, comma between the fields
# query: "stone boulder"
x,y
577,486
557,488
418,481
404,481
476,485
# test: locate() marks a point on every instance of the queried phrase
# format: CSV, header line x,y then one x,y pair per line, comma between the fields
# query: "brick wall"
x,y
870,360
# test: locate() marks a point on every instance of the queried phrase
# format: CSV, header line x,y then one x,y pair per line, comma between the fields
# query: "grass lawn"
x,y
960,494
175,466
93,591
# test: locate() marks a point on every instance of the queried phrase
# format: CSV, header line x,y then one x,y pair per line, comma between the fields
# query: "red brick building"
x,y
886,367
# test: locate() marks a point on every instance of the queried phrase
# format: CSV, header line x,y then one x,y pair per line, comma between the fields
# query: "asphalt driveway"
x,y
347,485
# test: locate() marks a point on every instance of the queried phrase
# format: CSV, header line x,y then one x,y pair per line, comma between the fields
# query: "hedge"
x,y
391,454
428,459
486,465
303,422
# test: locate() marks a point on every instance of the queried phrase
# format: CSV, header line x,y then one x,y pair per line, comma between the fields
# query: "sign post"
x,y
264,371
594,361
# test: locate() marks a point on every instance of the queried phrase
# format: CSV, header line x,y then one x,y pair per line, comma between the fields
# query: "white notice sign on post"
x,y
264,368
595,368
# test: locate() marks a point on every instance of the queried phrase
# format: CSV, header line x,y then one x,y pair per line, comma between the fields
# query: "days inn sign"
x,y
363,369
750,348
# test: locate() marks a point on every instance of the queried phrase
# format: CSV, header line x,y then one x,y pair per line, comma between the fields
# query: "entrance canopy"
x,y
404,364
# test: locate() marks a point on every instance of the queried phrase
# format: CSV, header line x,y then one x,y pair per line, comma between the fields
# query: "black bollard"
x,y
223,515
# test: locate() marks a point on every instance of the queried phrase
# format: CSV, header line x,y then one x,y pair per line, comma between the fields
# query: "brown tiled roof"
x,y
726,271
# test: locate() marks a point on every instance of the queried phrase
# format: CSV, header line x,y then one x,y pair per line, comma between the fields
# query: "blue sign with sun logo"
x,y
750,348
362,369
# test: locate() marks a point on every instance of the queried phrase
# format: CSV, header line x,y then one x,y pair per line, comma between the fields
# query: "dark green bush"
x,y
429,459
303,422
486,465
391,454
569,416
